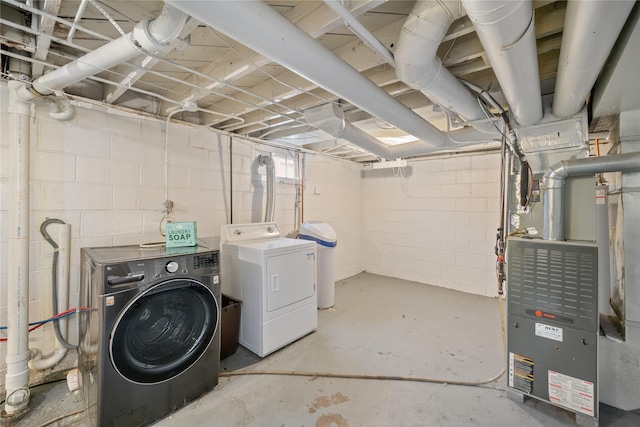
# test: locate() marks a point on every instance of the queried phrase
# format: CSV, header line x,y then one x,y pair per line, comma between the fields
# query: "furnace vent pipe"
x,y
591,28
417,64
271,192
259,27
148,37
554,179
506,31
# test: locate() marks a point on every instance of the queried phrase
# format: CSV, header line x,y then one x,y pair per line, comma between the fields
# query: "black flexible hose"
x,y
54,280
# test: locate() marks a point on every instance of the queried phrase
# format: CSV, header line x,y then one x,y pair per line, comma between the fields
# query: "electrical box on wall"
x,y
553,323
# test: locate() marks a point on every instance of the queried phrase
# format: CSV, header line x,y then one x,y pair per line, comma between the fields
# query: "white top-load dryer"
x,y
275,278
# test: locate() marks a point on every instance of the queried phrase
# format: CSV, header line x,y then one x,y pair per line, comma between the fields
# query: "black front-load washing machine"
x,y
149,331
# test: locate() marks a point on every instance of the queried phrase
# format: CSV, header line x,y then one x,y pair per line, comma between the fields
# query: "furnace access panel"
x,y
553,321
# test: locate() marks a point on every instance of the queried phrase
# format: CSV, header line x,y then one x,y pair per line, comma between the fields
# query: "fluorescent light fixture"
x,y
385,164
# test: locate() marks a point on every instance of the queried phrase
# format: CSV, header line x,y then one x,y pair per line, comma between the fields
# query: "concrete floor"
x,y
378,326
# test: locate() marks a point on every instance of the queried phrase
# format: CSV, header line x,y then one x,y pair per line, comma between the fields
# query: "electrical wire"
x,y
39,323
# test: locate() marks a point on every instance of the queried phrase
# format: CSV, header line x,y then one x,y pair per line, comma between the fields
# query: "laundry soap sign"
x,y
181,234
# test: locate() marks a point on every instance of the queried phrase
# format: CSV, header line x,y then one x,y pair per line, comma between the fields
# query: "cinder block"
x,y
92,169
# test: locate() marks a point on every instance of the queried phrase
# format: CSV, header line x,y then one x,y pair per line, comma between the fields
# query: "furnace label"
x,y
521,372
572,393
550,332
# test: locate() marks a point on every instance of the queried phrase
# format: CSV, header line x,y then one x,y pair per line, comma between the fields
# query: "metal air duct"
x,y
417,64
506,31
330,118
591,28
554,178
259,27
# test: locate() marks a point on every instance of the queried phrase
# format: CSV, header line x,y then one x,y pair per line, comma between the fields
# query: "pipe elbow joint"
x,y
556,173
153,35
267,161
61,109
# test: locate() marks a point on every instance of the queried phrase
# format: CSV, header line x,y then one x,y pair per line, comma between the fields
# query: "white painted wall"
x,y
436,224
333,194
103,173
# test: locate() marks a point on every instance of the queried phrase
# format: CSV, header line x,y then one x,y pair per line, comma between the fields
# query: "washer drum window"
x,y
164,331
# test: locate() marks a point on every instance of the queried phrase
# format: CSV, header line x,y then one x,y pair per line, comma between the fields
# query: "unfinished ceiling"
x,y
206,77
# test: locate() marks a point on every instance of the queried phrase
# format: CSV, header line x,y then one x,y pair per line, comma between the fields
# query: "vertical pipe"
x,y
64,262
271,191
17,373
230,180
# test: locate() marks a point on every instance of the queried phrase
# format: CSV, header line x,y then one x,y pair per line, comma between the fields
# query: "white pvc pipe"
x,y
506,31
145,38
261,28
150,38
591,28
418,65
39,363
17,371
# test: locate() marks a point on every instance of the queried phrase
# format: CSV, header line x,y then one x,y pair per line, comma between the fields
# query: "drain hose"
x,y
54,279
386,377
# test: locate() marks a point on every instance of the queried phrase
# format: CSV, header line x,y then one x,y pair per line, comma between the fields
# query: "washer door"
x,y
164,331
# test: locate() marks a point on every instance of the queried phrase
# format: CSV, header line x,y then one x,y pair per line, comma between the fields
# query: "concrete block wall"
x,y
103,173
333,194
434,222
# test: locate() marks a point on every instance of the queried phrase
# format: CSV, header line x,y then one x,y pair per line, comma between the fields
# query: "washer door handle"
x,y
121,280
